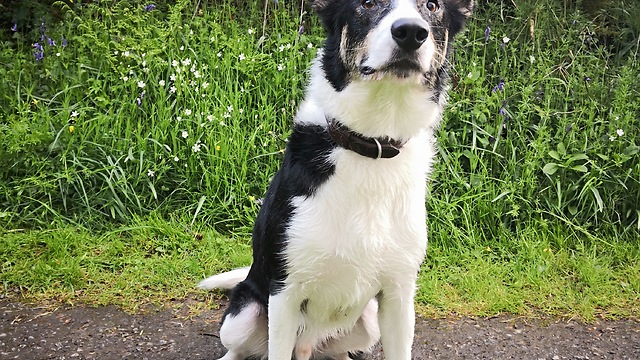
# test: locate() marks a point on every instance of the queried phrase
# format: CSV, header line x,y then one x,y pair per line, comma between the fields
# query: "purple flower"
x,y
487,32
139,99
499,87
503,111
38,52
301,29
50,41
43,28
149,7
587,79
14,27
64,42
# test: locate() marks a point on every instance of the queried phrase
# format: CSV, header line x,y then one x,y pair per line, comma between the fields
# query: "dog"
x,y
341,234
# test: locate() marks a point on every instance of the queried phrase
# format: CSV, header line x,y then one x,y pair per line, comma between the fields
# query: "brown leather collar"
x,y
374,148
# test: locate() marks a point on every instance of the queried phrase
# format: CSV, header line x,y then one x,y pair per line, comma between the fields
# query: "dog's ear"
x,y
465,7
319,5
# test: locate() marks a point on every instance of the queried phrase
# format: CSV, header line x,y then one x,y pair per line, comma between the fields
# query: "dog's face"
x,y
379,39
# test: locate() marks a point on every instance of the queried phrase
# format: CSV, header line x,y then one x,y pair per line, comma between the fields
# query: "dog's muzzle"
x,y
409,33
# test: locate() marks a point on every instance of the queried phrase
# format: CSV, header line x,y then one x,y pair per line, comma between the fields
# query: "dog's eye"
x,y
432,6
369,4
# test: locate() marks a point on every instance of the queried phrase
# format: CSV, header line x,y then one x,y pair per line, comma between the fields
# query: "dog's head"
x,y
408,40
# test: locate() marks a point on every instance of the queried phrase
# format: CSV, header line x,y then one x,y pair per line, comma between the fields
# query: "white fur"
x,y
226,280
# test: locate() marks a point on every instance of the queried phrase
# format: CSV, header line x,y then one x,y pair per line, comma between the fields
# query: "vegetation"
x,y
137,141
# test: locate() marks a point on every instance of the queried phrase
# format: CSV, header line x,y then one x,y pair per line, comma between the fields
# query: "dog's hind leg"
x,y
244,333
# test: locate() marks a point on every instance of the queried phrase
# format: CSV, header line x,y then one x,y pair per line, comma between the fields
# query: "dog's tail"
x,y
227,280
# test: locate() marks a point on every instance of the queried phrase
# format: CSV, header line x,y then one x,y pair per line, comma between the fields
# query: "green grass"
x,y
150,127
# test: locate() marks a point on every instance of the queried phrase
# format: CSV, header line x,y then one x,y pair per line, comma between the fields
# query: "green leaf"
x,y
576,157
554,154
550,168
580,168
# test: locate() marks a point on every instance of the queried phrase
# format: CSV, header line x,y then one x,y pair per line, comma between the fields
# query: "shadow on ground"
x,y
28,332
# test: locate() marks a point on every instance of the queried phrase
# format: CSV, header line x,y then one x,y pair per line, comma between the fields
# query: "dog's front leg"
x,y
397,321
284,320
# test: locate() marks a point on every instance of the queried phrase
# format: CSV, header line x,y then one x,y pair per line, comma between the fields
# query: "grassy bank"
x,y
137,142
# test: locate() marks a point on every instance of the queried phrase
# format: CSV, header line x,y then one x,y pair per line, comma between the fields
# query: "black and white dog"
x,y
341,234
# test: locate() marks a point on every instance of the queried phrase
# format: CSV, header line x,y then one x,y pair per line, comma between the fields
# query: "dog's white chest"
x,y
361,230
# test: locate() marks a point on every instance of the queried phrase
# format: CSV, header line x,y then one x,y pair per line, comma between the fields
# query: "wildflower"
x,y
506,40
301,29
620,132
58,54
43,28
179,118
172,77
241,57
144,63
115,52
197,74
288,46
174,63
64,42
280,67
205,85
487,33
196,147
218,148
161,82
186,62
230,108
309,46
141,84
222,123
190,32
182,48
149,7
532,58
176,158
192,83
187,112
612,138
125,78
50,41
210,118
125,54
151,173
139,98
587,79
172,89
499,87
241,111
250,31
226,116
219,54
14,27
281,48
185,134
39,51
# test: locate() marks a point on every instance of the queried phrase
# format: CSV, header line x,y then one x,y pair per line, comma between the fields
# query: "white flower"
x,y
612,138
281,48
469,75
191,32
222,123
172,77
197,74
250,31
205,85
176,158
179,118
125,78
144,63
75,114
212,39
192,83
186,62
310,46
57,54
115,52
141,84
280,67
229,108
210,118
532,58
241,111
174,63
151,173
620,132
288,46
185,134
226,115
161,82
241,57
506,40
196,146
187,112
182,48
143,54
146,70
172,89
126,53
219,54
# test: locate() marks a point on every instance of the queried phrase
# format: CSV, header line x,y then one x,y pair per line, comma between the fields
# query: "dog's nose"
x,y
409,33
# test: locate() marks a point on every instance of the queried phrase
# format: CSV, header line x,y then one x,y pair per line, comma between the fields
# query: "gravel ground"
x,y
28,332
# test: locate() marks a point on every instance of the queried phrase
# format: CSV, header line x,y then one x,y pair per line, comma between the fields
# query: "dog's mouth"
x,y
402,68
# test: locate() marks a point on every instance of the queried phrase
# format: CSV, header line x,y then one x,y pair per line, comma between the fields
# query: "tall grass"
x,y
182,112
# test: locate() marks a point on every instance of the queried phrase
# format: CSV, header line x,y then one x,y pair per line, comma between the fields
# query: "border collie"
x,y
341,234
